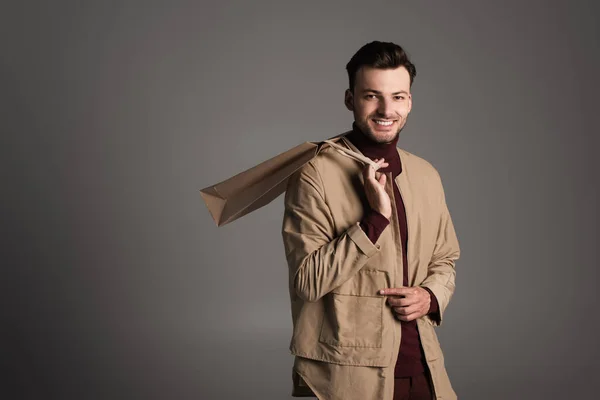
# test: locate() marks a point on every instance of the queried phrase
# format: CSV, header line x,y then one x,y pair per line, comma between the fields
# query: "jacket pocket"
x,y
354,311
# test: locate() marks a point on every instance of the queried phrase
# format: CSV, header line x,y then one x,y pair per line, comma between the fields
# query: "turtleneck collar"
x,y
375,150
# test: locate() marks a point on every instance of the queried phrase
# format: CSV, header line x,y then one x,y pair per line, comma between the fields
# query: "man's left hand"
x,y
408,303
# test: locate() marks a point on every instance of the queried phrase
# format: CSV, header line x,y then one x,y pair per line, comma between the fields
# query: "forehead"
x,y
382,80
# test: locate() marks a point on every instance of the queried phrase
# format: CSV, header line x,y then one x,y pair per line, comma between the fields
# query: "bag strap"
x,y
352,154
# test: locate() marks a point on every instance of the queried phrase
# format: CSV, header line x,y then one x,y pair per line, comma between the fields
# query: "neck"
x,y
375,150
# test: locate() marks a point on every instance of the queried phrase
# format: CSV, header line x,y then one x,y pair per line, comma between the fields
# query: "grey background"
x,y
116,284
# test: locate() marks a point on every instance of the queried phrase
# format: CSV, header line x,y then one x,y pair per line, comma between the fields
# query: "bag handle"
x,y
352,154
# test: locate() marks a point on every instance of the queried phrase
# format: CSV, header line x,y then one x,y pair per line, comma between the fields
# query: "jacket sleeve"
x,y
373,224
441,268
318,260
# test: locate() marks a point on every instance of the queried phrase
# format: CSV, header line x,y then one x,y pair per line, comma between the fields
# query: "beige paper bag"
x,y
259,185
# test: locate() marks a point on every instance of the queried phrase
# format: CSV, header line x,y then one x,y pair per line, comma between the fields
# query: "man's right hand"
x,y
375,189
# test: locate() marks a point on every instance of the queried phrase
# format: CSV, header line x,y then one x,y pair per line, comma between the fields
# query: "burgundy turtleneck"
x,y
411,360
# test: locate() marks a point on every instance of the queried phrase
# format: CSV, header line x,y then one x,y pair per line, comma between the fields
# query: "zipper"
x,y
396,228
397,238
427,362
407,235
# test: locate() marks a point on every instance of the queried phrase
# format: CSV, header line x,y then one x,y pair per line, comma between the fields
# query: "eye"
x,y
370,97
399,98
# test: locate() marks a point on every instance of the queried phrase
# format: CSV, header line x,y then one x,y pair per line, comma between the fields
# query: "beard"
x,y
380,137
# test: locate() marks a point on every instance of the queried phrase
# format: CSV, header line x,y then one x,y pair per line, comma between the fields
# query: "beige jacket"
x,y
345,337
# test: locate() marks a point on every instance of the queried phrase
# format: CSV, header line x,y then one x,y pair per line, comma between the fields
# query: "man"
x,y
371,254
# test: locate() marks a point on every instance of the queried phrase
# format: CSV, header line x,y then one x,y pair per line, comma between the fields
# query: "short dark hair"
x,y
384,55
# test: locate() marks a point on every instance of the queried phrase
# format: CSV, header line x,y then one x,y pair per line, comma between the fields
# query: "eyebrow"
x,y
378,92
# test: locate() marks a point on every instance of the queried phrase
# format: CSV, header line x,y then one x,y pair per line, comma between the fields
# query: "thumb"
x,y
382,179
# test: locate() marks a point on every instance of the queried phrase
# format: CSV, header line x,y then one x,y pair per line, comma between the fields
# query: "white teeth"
x,y
384,123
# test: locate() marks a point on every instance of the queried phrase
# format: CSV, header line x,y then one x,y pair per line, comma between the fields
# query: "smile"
x,y
382,122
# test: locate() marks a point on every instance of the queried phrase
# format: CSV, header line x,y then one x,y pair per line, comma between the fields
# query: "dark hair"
x,y
382,55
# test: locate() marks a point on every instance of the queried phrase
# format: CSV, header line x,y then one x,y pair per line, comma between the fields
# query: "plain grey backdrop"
x,y
116,283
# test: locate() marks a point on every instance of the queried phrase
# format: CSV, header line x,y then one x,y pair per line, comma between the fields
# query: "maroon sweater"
x,y
411,360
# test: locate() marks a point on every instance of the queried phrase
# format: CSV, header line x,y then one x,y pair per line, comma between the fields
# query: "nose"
x,y
384,108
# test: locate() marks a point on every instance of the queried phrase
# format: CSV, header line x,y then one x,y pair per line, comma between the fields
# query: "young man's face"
x,y
381,102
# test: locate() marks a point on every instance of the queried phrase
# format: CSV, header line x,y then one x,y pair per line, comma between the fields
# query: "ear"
x,y
349,100
409,103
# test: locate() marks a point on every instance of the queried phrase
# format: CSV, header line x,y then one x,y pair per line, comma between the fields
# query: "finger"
x,y
400,317
401,301
402,314
382,179
409,317
400,291
379,163
406,310
410,300
402,311
404,318
397,301
394,301
414,308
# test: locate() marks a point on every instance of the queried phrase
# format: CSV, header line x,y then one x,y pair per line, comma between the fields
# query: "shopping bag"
x,y
258,186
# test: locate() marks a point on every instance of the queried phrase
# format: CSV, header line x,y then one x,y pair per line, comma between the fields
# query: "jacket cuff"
x,y
373,224
362,241
434,307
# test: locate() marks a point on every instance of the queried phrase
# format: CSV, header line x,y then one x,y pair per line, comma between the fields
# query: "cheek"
x,y
403,110
365,109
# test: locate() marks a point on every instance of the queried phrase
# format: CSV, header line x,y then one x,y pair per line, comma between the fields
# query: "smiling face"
x,y
380,101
